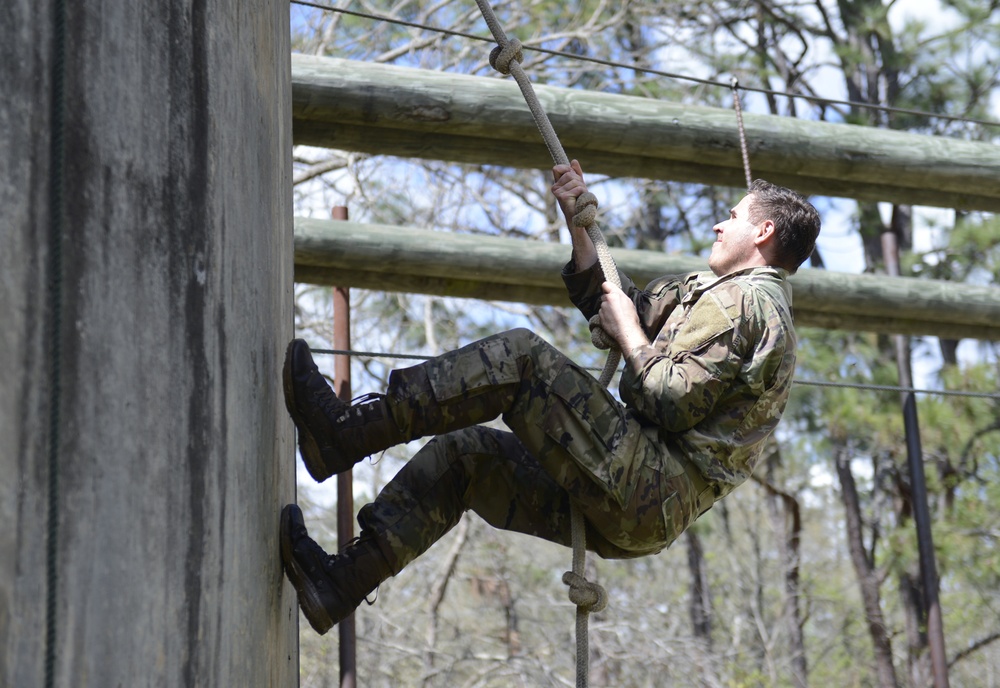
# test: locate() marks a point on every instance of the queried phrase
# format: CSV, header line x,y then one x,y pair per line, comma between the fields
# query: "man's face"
x,y
734,246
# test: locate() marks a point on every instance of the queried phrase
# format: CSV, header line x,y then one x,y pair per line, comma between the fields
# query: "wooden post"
x,y
418,113
345,482
426,262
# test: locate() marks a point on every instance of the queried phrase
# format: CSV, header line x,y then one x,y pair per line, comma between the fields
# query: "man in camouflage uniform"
x,y
709,359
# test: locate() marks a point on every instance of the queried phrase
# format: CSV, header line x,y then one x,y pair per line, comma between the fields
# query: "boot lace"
x,y
355,540
324,397
362,409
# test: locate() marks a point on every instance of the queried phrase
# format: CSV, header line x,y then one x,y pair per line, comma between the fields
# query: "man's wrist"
x,y
632,341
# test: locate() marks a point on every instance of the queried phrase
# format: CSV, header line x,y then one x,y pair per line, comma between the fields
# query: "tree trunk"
x,y
917,657
438,592
788,521
701,600
910,579
871,227
868,578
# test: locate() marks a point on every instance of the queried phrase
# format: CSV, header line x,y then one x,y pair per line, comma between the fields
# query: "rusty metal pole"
x,y
345,487
918,487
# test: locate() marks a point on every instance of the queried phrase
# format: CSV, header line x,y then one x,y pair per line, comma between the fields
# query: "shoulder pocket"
x,y
708,321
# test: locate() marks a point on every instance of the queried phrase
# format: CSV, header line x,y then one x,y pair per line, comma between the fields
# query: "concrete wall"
x,y
176,452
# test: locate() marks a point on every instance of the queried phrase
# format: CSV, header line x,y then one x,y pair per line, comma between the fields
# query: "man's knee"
x,y
454,447
495,360
522,340
523,347
441,451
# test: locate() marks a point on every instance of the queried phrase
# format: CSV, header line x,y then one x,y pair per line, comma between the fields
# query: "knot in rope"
x,y
590,597
502,56
586,216
598,337
586,210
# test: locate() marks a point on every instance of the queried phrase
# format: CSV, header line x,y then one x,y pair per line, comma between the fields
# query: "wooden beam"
x,y
417,113
406,259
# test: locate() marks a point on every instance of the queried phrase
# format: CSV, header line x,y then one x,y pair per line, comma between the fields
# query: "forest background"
x,y
808,575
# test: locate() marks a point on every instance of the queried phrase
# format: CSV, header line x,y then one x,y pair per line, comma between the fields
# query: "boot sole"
x,y
309,600
311,455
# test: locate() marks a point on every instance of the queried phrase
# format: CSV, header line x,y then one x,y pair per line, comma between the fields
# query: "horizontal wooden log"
x,y
407,112
406,259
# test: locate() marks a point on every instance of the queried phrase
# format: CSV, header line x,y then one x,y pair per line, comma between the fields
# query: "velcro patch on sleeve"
x,y
708,322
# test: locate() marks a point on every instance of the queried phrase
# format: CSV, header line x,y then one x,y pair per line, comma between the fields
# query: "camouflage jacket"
x,y
715,378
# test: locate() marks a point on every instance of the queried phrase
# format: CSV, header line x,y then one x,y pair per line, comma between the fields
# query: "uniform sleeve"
x,y
584,287
653,304
657,301
678,386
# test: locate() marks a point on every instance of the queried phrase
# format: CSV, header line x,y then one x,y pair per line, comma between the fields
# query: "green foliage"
x,y
972,252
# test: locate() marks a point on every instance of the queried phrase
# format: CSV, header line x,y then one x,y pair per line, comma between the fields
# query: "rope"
x,y
735,85
57,179
588,597
506,59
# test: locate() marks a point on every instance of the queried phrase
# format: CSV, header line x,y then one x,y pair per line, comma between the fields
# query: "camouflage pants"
x,y
571,442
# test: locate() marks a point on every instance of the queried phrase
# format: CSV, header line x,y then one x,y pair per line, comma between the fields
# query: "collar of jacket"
x,y
708,280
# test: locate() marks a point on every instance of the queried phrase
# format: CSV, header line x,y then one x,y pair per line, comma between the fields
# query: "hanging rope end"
x,y
591,597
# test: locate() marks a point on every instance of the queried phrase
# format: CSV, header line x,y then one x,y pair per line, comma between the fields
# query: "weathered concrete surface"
x,y
175,450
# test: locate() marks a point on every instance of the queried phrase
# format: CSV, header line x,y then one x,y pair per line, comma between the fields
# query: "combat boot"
x,y
329,586
333,434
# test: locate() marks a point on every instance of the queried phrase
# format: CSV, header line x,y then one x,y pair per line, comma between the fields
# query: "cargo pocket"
x,y
685,498
593,428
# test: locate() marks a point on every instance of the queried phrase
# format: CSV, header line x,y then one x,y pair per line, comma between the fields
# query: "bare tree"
x,y
869,578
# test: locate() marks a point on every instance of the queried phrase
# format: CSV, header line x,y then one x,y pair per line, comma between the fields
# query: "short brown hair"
x,y
796,221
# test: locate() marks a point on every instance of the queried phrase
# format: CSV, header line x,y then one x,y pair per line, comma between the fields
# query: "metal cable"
x,y
802,382
817,100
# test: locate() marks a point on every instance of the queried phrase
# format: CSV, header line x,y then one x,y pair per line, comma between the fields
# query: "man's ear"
x,y
766,242
765,234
